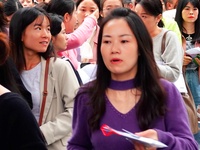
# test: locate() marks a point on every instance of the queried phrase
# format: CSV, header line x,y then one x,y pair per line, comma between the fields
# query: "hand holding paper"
x,y
193,52
147,142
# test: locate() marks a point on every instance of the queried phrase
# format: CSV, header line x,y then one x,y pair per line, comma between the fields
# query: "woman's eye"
x,y
124,41
92,11
143,16
38,28
106,42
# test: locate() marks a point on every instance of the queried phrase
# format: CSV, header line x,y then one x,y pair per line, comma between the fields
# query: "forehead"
x,y
189,5
41,20
87,3
139,9
174,1
22,1
115,25
112,3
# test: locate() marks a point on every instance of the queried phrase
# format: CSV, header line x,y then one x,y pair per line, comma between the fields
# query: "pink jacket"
x,y
77,38
82,33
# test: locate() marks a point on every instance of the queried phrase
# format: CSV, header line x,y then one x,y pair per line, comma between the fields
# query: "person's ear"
x,y
53,39
159,17
130,5
66,17
169,6
101,14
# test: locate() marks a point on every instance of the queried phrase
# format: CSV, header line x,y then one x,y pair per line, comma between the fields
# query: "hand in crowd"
x,y
186,60
197,61
148,134
95,14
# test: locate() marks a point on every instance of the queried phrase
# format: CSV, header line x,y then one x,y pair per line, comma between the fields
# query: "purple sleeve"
x,y
178,135
80,139
82,33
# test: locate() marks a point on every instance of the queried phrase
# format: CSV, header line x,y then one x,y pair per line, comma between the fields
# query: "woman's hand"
x,y
186,60
197,61
95,14
148,134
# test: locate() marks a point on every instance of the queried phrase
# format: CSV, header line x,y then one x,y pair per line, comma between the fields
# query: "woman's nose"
x,y
115,48
45,33
191,11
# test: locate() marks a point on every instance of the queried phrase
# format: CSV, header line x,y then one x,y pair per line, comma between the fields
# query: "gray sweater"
x,y
171,61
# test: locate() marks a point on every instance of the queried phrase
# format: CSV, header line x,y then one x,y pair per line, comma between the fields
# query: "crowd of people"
x,y
68,67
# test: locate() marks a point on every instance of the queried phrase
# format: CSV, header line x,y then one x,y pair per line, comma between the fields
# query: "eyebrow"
x,y
111,5
37,24
40,24
90,7
190,6
144,13
119,36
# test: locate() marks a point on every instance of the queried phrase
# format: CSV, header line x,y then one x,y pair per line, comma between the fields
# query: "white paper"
x,y
145,141
180,84
193,51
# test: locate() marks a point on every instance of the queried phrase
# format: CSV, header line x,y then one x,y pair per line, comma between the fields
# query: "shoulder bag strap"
x,y
45,91
163,42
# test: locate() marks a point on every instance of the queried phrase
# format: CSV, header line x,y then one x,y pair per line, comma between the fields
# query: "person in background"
x,y
169,23
76,38
3,20
10,7
31,47
59,40
27,3
9,76
58,32
169,59
129,4
170,4
188,19
128,93
18,127
170,10
88,48
107,5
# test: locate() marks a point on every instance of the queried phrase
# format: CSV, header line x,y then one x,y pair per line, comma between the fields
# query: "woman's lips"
x,y
191,17
116,60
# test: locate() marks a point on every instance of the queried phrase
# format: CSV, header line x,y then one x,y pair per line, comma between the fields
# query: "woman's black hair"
x,y
56,22
60,7
11,6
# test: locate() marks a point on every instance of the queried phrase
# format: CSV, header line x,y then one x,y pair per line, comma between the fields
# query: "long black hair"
x,y
147,77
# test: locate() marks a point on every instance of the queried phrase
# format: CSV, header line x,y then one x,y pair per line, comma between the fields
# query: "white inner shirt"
x,y
31,80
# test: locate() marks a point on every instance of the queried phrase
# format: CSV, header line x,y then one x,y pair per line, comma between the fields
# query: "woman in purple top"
x,y
128,93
